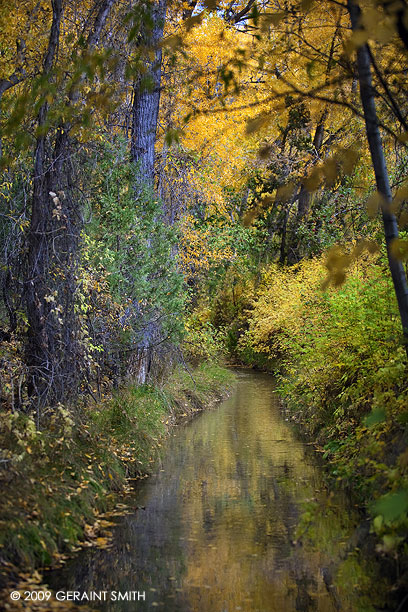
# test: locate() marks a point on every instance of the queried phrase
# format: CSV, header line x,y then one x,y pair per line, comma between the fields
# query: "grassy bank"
x,y
343,376
55,482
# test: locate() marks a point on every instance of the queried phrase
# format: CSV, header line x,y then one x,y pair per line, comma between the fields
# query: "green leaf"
x,y
393,505
378,522
311,69
378,415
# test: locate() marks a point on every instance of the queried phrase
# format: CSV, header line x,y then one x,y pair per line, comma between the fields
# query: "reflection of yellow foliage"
x,y
235,506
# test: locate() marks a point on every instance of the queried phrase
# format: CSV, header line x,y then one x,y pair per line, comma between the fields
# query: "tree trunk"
x,y
304,198
39,341
53,351
380,170
145,113
146,100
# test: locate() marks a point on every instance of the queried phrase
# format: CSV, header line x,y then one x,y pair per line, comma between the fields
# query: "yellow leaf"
x,y
403,220
285,192
356,40
330,171
374,202
312,182
254,125
399,249
101,541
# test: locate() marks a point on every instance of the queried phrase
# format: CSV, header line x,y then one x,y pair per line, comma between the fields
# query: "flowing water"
x,y
237,517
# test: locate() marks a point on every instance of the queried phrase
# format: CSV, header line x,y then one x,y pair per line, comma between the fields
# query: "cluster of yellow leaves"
x,y
277,310
230,122
217,131
292,300
196,253
24,27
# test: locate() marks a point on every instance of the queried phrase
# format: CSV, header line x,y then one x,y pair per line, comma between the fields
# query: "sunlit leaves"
x,y
338,261
399,249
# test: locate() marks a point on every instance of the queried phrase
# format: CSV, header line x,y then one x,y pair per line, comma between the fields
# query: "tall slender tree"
x,y
380,169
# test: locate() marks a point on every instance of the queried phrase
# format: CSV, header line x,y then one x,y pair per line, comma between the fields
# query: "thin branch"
x,y
387,90
237,17
13,80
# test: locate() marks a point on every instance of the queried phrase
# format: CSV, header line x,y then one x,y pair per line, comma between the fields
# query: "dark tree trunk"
x,y
283,254
304,198
304,194
39,341
53,353
282,250
145,113
380,170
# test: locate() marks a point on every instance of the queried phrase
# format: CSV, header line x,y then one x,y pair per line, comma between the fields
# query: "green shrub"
x,y
343,375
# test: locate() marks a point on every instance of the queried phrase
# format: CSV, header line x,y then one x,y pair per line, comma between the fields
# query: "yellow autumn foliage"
x,y
278,310
293,304
197,253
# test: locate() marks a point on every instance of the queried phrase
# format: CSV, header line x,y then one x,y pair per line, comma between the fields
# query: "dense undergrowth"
x,y
342,373
55,482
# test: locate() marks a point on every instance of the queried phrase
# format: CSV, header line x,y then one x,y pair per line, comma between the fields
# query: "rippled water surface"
x,y
236,518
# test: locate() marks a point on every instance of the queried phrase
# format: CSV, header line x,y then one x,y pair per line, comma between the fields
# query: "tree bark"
x,y
304,195
145,113
39,344
380,170
146,100
53,353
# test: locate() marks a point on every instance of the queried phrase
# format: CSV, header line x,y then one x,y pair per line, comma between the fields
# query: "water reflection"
x,y
219,528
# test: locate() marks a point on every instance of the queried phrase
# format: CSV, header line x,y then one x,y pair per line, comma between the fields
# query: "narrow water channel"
x,y
237,517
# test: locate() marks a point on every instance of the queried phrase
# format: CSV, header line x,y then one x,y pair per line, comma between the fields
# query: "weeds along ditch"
x,y
55,482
